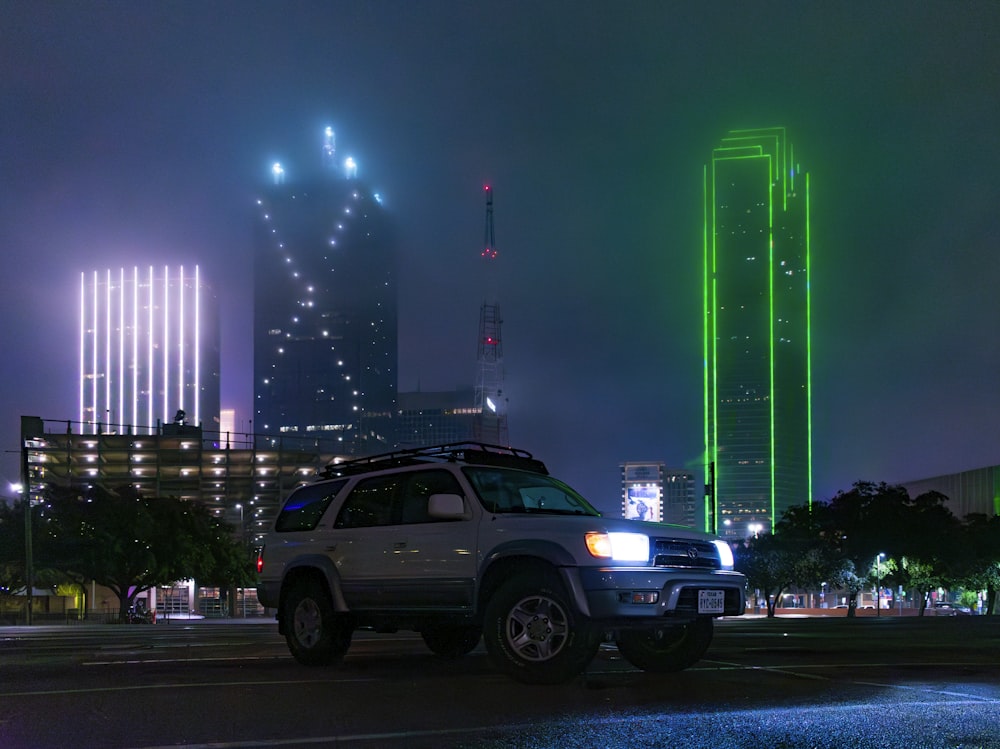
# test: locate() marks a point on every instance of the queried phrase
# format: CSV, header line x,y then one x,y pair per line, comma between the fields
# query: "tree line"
x,y
122,540
839,542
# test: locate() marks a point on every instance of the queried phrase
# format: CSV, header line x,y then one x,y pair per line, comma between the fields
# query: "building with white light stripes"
x,y
149,349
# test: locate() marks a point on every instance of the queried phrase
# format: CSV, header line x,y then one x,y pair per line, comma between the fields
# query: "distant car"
x,y
943,608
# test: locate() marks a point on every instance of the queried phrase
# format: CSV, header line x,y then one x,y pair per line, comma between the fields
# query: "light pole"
x,y
878,584
29,554
243,549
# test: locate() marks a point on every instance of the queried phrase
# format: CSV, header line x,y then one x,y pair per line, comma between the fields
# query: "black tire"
x,y
316,634
452,640
667,649
533,633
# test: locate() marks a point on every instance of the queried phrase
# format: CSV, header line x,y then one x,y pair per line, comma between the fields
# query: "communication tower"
x,y
490,423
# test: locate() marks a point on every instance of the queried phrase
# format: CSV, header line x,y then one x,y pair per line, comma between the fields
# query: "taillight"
x,y
260,560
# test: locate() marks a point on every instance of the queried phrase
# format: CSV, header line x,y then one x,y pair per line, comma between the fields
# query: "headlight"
x,y
621,547
725,554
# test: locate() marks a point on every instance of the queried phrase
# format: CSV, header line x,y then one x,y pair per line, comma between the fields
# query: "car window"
x,y
305,506
369,504
503,490
419,487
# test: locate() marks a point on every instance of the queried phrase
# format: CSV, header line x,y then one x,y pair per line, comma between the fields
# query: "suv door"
x,y
391,554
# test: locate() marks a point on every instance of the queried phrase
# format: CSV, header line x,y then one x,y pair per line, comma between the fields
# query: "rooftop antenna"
x,y
329,148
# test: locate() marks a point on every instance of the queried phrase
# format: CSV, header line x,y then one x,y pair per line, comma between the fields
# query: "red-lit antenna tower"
x,y
490,423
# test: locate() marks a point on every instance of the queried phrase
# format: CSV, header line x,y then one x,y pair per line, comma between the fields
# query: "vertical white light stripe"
x,y
197,345
135,346
83,343
180,341
107,348
165,409
122,416
93,358
150,335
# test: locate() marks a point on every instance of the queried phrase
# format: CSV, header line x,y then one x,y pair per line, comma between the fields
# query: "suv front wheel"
x,y
667,649
533,633
316,634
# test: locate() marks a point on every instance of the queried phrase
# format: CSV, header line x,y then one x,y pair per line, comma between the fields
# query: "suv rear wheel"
x,y
316,634
533,633
668,649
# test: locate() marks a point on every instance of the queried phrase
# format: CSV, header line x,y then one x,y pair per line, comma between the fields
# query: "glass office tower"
x,y
757,386
325,336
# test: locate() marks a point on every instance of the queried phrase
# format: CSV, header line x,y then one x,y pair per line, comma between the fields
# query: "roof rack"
x,y
477,453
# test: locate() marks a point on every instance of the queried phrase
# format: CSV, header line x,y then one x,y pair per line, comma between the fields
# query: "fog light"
x,y
640,596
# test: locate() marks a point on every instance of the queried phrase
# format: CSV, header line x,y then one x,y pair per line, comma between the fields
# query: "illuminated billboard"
x,y
643,502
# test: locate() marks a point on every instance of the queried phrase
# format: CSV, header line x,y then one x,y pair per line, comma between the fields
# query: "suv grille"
x,y
679,552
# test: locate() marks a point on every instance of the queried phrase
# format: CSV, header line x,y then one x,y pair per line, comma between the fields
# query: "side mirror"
x,y
446,506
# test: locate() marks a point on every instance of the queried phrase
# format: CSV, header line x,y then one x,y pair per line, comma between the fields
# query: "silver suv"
x,y
467,541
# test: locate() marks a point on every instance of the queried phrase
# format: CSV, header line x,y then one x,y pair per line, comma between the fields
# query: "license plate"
x,y
711,601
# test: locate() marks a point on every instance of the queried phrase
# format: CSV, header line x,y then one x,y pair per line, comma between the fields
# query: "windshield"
x,y
503,490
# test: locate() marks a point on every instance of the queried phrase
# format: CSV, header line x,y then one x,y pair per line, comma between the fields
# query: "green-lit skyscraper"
x,y
758,439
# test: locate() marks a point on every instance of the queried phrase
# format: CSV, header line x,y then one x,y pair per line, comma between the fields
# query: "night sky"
x,y
140,132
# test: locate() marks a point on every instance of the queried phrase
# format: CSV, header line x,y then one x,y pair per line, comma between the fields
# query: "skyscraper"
x,y
149,348
758,440
325,353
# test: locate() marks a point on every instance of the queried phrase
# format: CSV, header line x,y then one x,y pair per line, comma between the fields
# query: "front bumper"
x,y
607,592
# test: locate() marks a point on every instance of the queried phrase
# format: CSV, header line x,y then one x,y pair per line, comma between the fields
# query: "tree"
x,y
879,518
130,543
800,529
922,577
929,551
12,556
796,554
768,565
12,553
979,567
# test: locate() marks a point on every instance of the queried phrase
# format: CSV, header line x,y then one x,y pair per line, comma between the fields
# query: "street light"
x,y
243,545
878,583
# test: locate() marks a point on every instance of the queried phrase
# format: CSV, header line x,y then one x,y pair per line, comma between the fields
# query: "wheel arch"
x,y
530,557
316,566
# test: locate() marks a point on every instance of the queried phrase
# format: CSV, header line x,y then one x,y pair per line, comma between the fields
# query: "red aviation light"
x,y
490,341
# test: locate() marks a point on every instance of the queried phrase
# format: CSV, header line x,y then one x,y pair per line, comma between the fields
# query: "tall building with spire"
x,y
757,379
325,325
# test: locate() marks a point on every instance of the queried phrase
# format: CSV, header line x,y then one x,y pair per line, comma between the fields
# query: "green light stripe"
x,y
770,345
809,394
